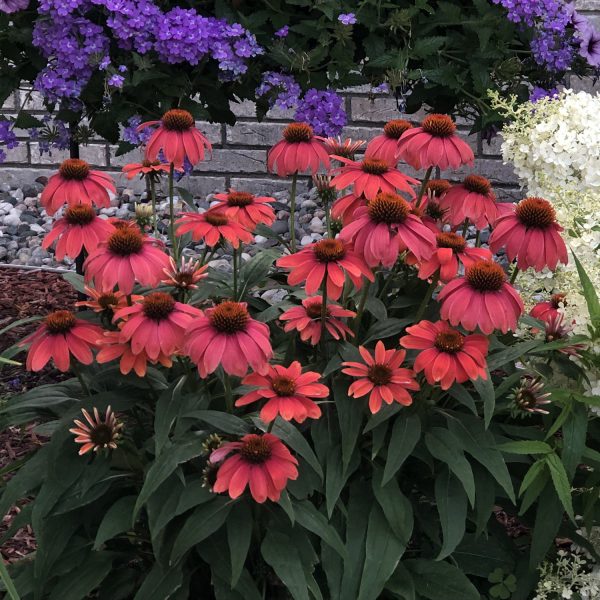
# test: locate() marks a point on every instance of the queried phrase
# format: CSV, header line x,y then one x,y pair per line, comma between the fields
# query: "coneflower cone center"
x,y
125,241
388,208
256,450
374,166
379,374
158,306
558,300
535,212
79,214
177,120
485,276
283,386
102,434
74,169
451,240
438,125
437,187
216,219
434,210
394,129
313,310
60,321
150,163
526,398
239,199
477,185
329,250
295,133
229,317
183,278
107,301
449,341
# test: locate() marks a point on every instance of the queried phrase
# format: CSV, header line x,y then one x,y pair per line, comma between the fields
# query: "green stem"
x,y
465,228
153,200
513,277
79,375
235,273
11,590
389,279
172,213
478,239
323,315
361,308
423,186
228,393
293,212
427,298
203,255
271,424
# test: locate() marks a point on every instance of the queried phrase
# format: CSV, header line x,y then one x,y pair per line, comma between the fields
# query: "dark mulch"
x,y
24,294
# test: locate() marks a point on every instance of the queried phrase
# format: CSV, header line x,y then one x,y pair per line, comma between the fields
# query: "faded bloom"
x,y
186,275
343,147
529,396
98,433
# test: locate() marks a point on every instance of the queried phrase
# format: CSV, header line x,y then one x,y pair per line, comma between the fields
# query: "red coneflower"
x,y
245,208
226,335
556,330
146,167
544,311
178,139
446,355
211,226
343,147
105,299
381,377
343,208
125,257
112,348
474,200
186,275
328,259
306,319
156,324
378,229
76,183
98,433
385,146
371,176
435,144
531,234
452,250
482,298
78,228
261,462
59,336
299,150
436,188
288,393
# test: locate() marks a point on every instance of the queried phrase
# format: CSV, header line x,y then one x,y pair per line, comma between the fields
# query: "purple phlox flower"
x,y
283,32
131,134
347,19
283,91
382,88
12,6
116,81
323,110
7,138
589,47
104,63
54,134
537,93
122,69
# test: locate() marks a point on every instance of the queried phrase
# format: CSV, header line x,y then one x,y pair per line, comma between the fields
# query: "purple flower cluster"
x,y
11,6
537,93
132,135
347,19
323,110
7,138
552,43
283,91
54,134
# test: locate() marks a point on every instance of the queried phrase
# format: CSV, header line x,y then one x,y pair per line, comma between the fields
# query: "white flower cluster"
x,y
568,575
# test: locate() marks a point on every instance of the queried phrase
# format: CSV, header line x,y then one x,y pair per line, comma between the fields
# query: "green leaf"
x,y
532,474
187,197
480,556
9,585
406,432
499,359
315,522
202,522
75,280
574,435
589,292
239,534
401,583
221,421
335,478
90,575
117,519
548,518
485,389
160,584
561,483
256,269
460,393
438,580
163,466
385,329
452,507
445,447
383,551
427,46
281,554
525,447
396,507
376,307
350,417
167,410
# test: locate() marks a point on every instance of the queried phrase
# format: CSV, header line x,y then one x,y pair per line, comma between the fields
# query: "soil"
x,y
24,294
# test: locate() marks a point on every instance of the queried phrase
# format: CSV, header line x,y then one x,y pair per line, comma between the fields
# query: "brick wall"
x,y
239,155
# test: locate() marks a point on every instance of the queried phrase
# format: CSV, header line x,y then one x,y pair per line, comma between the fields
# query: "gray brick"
x,y
235,161
57,155
202,186
133,156
212,131
245,108
378,110
31,100
266,186
18,154
585,84
493,169
95,154
494,148
9,103
254,134
587,4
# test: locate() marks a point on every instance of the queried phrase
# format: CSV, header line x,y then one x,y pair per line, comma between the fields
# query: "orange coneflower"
x,y
105,299
146,167
385,146
343,147
245,208
472,200
98,433
186,275
212,226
